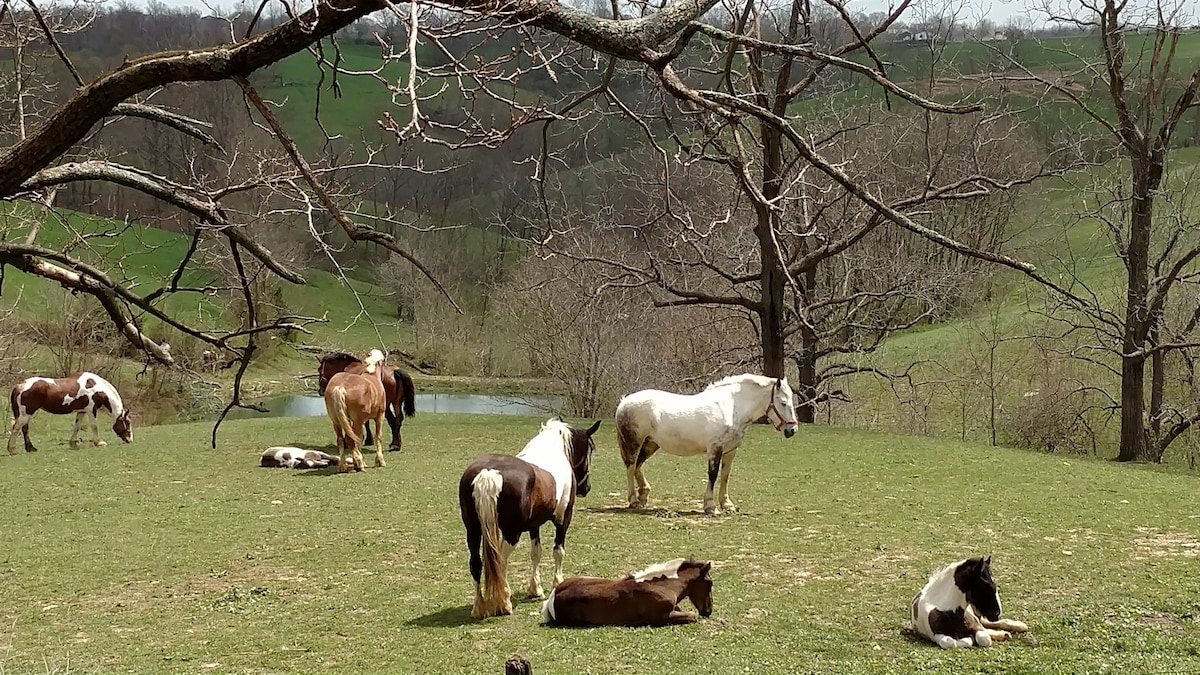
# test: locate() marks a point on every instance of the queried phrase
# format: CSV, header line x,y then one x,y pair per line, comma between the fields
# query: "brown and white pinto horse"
x,y
351,400
401,396
83,394
650,597
501,496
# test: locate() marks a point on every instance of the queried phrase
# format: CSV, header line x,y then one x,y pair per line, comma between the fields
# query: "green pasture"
x,y
165,556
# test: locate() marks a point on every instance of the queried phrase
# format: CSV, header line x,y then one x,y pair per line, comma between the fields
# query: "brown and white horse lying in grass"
x,y
288,457
351,400
83,394
501,497
650,597
960,607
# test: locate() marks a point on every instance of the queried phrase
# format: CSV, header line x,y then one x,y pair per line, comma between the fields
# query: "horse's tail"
x,y
409,394
14,397
628,437
486,490
335,407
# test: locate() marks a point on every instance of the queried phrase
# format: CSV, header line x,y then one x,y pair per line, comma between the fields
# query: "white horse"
x,y
712,422
960,607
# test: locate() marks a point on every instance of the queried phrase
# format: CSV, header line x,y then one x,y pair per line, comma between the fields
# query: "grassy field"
x,y
163,556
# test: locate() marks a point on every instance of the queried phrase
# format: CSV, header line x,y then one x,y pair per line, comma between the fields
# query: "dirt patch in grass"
x,y
1165,544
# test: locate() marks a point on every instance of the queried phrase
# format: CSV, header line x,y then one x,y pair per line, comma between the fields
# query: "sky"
x,y
999,11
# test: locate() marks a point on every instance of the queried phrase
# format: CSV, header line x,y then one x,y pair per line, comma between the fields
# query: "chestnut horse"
x,y
351,400
396,383
501,496
83,394
650,597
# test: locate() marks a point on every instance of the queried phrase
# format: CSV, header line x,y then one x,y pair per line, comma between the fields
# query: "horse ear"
x,y
592,429
558,417
988,560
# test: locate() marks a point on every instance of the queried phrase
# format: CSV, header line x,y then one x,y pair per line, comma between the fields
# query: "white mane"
x,y
668,570
103,385
741,379
550,450
373,360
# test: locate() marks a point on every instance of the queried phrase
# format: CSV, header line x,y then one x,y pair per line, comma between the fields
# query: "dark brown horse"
x,y
397,384
650,597
83,394
501,497
352,400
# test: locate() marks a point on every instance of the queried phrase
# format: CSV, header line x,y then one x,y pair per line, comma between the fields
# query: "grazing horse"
x,y
650,597
401,397
83,394
960,607
712,422
351,400
501,496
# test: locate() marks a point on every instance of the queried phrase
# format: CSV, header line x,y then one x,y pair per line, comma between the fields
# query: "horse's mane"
x,y
562,429
116,405
942,569
668,570
735,379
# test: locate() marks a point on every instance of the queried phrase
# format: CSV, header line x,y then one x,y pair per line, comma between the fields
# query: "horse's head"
x,y
781,411
580,452
122,427
374,360
974,578
700,590
329,365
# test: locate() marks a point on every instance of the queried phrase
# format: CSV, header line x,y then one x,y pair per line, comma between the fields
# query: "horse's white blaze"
x,y
549,451
668,570
548,609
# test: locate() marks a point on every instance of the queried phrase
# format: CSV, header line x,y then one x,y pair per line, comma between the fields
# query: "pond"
x,y
311,405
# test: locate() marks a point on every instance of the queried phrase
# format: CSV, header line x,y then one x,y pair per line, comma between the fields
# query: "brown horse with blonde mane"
x,y
650,597
82,393
401,397
351,400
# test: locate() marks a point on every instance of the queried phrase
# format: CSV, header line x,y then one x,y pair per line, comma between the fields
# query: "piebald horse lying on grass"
x,y
351,400
650,597
712,423
501,497
83,394
960,607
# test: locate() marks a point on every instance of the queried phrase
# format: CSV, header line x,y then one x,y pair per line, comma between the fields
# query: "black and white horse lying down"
x,y
960,607
288,457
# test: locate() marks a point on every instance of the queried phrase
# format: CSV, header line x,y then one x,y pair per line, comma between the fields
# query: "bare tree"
x,y
1146,92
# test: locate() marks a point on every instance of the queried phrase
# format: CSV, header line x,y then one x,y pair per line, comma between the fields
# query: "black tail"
x,y
410,395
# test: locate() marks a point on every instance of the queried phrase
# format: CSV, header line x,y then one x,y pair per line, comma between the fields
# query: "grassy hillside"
x,y
147,257
164,556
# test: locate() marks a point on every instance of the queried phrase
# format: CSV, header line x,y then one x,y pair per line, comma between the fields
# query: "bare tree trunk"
x,y
1134,443
772,275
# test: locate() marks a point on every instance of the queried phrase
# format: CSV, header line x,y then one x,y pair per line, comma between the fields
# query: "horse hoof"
x,y
99,444
29,449
712,511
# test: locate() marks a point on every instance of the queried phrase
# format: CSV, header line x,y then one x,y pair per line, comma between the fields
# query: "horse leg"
x,y
1005,625
343,466
474,541
947,642
677,616
20,423
503,596
535,559
395,418
560,546
379,442
643,486
714,469
75,432
95,431
369,439
356,447
726,464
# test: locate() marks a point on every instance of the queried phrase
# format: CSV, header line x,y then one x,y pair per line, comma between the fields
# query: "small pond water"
x,y
311,405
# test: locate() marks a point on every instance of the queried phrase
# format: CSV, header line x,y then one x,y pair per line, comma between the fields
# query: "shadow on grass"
x,y
657,513
450,617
